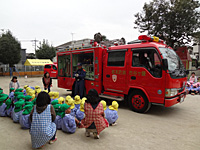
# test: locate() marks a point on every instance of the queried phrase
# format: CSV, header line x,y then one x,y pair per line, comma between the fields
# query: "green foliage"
x,y
10,49
174,21
31,56
45,51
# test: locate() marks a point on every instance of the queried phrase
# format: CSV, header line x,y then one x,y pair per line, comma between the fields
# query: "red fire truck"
x,y
142,72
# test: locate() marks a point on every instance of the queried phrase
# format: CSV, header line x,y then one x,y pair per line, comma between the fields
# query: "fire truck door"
x,y
114,73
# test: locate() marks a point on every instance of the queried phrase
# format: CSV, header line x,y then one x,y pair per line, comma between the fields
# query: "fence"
x,y
21,70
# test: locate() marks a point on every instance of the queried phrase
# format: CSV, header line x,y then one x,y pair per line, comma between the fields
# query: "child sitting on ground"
x,y
69,121
94,120
12,92
111,113
3,105
193,78
104,106
80,115
24,119
72,107
43,129
17,111
77,101
58,119
9,107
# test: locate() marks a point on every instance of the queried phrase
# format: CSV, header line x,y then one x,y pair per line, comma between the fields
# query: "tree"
x,y
45,51
174,21
10,49
31,56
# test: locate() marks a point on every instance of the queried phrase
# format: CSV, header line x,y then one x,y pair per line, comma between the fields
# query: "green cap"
x,y
12,89
19,90
54,102
3,95
1,91
20,97
18,105
2,99
8,103
29,103
57,108
27,109
63,108
28,97
19,93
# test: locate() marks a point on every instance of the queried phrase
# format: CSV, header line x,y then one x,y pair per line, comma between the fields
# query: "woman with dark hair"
x,y
14,83
42,116
94,120
47,81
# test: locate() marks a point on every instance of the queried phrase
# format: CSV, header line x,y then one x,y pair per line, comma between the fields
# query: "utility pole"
x,y
33,41
73,38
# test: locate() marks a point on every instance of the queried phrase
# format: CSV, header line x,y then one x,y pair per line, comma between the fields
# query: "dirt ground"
x,y
174,128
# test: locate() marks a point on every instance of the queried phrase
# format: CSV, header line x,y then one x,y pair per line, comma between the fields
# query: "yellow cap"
x,y
51,94
82,105
84,99
38,91
45,91
71,103
37,87
25,86
33,96
114,106
77,99
55,95
61,100
67,98
104,104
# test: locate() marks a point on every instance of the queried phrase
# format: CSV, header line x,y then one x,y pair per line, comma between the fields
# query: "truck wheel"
x,y
138,102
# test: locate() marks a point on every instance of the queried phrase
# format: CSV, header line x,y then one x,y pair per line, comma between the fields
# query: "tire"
x,y
138,102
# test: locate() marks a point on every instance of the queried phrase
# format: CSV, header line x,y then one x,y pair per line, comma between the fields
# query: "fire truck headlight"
x,y
171,92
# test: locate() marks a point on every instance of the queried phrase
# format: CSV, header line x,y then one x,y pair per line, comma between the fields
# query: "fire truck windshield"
x,y
175,66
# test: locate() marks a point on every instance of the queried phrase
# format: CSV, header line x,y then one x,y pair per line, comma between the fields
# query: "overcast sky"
x,y
55,20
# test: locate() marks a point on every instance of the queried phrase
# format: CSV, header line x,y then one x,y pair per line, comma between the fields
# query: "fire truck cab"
x,y
143,72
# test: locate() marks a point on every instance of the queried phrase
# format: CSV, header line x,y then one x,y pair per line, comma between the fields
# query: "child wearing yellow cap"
x,y
69,121
111,113
80,115
72,107
77,101
104,106
55,96
67,99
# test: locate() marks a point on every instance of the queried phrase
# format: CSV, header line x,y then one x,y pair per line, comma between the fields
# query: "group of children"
x,y
43,113
193,87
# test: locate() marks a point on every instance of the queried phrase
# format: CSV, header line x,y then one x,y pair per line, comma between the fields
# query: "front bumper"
x,y
174,100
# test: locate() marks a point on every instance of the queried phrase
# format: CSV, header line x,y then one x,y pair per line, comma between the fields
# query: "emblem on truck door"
x,y
114,78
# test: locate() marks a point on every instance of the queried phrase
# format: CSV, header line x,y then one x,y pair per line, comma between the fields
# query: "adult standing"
x,y
47,81
14,83
80,80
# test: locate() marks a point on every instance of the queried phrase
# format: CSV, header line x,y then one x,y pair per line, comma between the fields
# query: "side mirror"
x,y
165,64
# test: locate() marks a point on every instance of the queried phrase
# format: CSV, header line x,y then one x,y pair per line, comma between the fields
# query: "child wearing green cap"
x,y
43,129
59,113
9,107
11,95
17,111
3,105
24,119
68,121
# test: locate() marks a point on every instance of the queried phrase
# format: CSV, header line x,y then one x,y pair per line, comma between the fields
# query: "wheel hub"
x,y
138,101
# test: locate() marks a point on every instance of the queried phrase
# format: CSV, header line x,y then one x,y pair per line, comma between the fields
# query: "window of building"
x,y
116,58
87,61
64,66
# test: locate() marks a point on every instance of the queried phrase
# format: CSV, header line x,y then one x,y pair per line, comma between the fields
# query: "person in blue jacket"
x,y
24,118
69,121
3,105
80,115
111,113
80,80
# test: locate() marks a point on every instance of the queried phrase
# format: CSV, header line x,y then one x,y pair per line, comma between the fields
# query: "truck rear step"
x,y
117,98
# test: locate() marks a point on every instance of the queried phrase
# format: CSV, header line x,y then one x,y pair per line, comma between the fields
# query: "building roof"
x,y
37,62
